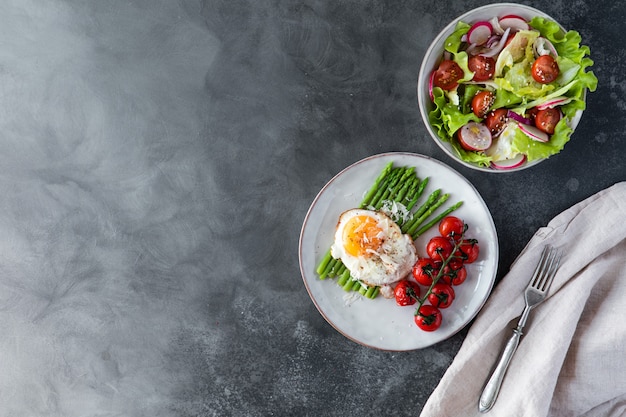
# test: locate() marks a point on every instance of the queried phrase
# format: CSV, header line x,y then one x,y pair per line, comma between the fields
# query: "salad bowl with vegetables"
x,y
503,87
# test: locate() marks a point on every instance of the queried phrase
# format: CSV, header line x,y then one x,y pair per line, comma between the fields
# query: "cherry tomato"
x,y
439,248
452,227
468,251
454,276
455,264
483,67
547,119
482,102
428,318
442,295
406,292
495,120
448,74
531,114
545,69
424,270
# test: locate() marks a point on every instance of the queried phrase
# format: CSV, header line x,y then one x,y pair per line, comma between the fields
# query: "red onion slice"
x,y
499,46
519,118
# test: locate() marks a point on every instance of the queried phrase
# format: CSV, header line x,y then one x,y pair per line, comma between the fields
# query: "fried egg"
x,y
372,247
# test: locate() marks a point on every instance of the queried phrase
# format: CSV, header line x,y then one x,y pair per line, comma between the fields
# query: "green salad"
x,y
507,90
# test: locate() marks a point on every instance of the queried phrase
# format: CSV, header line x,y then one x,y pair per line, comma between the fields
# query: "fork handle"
x,y
492,388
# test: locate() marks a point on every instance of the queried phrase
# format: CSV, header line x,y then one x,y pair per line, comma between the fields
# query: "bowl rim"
x,y
426,68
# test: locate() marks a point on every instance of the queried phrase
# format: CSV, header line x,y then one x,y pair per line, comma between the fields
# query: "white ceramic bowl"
x,y
434,54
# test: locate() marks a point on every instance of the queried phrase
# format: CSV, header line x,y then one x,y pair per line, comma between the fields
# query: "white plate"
x,y
380,323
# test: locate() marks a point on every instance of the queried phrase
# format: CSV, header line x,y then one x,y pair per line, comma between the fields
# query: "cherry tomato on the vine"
x,y
450,270
439,248
442,295
406,293
428,318
447,76
455,276
468,251
424,270
452,227
455,264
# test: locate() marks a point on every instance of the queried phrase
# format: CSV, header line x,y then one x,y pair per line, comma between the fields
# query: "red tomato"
x,y
428,318
483,67
532,113
496,119
452,227
406,293
468,251
442,295
547,119
447,76
439,248
424,270
455,264
545,69
455,276
451,271
482,102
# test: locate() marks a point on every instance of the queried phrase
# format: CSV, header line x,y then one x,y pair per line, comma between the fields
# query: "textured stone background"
x,y
158,158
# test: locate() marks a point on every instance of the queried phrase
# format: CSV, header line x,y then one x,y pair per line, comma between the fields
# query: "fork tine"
x,y
540,267
545,269
548,271
551,272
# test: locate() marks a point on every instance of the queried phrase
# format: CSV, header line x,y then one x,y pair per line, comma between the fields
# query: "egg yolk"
x,y
361,235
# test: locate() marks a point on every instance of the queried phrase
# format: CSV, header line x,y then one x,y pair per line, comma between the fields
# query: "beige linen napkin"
x,y
571,360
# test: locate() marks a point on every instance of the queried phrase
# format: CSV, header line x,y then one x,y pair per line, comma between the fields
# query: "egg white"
x,y
389,263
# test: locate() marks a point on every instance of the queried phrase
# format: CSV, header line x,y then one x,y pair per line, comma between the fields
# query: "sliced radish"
x,y
557,101
474,137
511,15
513,22
534,133
519,118
509,163
479,33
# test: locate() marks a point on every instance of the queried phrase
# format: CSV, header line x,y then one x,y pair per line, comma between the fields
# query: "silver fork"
x,y
535,293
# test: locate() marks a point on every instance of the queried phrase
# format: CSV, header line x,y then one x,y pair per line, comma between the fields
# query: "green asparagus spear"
x,y
436,220
421,210
370,194
428,212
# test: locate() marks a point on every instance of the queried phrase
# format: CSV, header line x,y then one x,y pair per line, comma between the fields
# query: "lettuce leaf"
x,y
447,118
454,40
569,48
